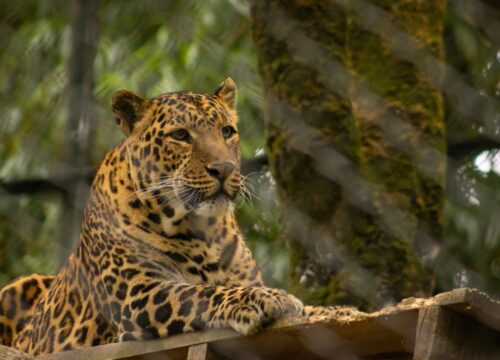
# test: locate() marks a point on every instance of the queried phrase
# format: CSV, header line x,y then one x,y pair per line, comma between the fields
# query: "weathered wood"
x,y
177,347
473,304
460,324
392,334
198,352
445,334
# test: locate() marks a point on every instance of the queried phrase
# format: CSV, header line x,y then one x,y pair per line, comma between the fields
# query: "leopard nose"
x,y
220,170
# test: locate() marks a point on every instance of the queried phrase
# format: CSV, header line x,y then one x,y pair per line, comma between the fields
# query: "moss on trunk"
x,y
355,136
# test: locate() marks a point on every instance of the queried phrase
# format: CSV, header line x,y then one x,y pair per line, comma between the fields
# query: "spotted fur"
x,y
160,252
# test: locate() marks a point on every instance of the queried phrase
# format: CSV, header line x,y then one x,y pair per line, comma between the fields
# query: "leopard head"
x,y
182,147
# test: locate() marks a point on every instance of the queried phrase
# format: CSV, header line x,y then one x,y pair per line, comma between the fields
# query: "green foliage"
x,y
27,245
32,66
470,255
258,222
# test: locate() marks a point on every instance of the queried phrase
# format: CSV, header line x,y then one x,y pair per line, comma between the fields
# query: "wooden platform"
x,y
461,324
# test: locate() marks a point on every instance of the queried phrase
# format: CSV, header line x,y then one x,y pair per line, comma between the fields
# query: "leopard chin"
x,y
215,205
195,198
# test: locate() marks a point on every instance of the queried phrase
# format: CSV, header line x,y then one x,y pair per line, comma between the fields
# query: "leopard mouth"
x,y
221,194
196,197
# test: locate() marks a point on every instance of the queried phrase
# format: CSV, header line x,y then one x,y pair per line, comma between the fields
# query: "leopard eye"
x,y
181,135
228,131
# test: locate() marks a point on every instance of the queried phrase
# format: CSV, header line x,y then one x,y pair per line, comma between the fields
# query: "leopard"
x,y
160,252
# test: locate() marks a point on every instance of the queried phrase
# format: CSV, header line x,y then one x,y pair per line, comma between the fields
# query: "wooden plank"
x,y
198,352
139,349
394,333
390,333
474,304
445,334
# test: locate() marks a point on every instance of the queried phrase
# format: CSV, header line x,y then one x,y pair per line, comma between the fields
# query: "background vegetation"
x,y
157,46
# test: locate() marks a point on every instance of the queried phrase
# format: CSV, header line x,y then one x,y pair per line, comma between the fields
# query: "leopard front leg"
x,y
157,309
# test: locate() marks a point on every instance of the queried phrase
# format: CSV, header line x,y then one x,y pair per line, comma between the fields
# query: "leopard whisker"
x,y
246,192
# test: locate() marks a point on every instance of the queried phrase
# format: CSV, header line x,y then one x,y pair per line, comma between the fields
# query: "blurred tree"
x,y
471,252
471,85
355,132
81,117
32,64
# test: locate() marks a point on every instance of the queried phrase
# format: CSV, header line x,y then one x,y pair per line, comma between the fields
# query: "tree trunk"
x,y
355,136
81,105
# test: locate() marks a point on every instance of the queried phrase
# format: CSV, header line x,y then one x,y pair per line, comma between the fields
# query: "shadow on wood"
x,y
460,324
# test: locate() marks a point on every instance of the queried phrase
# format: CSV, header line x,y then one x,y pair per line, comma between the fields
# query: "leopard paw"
x,y
261,306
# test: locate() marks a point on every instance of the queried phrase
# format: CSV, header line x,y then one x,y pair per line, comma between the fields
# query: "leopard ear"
x,y
227,92
128,109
